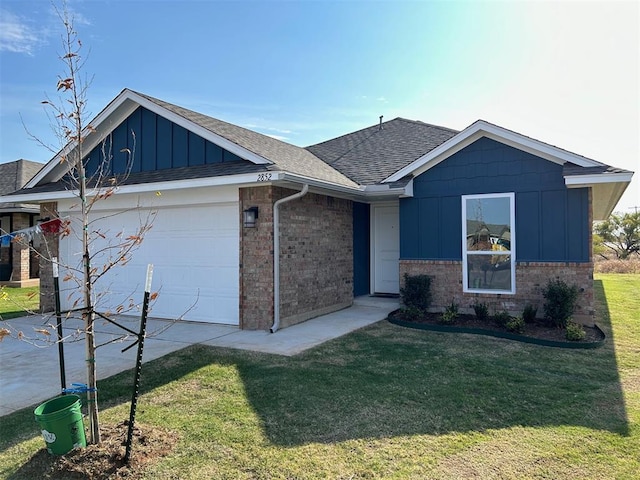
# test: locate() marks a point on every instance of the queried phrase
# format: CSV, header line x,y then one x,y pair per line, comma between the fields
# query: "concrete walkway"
x,y
29,374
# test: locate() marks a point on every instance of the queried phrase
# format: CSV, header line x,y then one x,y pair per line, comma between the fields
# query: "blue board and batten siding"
x,y
552,221
156,144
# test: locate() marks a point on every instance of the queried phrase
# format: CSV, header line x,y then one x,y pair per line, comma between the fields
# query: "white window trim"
x,y
512,220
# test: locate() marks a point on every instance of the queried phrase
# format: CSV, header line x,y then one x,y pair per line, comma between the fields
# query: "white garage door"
x,y
195,253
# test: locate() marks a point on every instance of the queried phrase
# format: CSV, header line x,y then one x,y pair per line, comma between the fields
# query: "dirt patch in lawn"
x,y
104,461
537,330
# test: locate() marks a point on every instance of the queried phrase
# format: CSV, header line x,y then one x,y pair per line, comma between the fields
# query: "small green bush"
x,y
501,318
450,314
412,314
481,310
516,325
416,293
560,302
575,332
529,314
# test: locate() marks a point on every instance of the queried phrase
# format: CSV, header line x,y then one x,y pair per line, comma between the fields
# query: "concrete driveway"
x,y
29,374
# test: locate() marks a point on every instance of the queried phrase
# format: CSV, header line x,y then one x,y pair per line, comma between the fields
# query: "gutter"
x,y
276,254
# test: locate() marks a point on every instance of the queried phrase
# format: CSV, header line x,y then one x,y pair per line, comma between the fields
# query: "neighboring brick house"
x,y
18,263
263,234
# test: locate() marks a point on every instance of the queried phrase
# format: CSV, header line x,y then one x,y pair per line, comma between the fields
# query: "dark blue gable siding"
x,y
155,144
551,220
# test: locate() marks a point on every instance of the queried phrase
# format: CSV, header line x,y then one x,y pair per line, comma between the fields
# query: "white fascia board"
x,y
322,184
408,190
381,191
114,114
119,108
242,179
574,181
480,129
360,193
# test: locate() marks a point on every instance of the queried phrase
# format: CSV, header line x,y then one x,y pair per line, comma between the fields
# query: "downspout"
x,y
276,254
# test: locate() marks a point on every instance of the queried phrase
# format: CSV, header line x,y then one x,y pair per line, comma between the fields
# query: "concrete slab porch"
x,y
30,374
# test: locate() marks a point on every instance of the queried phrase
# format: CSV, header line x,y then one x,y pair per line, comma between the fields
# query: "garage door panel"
x,y
195,253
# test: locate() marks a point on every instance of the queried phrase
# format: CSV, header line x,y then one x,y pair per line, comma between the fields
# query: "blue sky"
x,y
566,73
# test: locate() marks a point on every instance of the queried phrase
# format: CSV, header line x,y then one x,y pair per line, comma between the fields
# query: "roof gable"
x,y
242,143
370,155
480,129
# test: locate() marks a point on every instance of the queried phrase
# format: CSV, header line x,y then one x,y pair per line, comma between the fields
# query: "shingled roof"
x,y
284,156
13,176
370,155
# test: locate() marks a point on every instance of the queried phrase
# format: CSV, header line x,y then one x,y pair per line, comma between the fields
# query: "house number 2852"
x,y
264,177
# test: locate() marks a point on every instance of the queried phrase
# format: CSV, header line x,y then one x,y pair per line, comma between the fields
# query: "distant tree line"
x,y
618,237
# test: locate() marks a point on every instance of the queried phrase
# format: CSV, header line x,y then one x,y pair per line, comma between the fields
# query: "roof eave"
x,y
480,129
113,115
360,193
606,188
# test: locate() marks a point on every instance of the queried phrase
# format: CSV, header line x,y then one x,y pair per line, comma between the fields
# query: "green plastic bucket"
x,y
60,420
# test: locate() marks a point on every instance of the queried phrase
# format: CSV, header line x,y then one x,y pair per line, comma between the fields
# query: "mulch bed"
x,y
104,461
537,331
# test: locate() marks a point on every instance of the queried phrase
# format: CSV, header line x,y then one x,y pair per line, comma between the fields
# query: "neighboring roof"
x,y
372,154
13,176
283,156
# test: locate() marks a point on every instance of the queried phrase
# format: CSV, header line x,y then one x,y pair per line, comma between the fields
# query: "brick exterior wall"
x,y
316,266
49,248
531,278
21,250
256,260
316,257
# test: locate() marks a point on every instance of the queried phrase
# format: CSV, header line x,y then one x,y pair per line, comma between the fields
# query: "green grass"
x,y
388,402
17,302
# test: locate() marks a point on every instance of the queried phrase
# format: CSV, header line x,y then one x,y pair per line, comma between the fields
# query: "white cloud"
x,y
269,129
277,137
16,35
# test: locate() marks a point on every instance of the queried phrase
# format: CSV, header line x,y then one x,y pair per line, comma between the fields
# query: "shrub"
x,y
501,318
575,332
515,325
416,293
560,302
529,314
481,310
450,314
412,314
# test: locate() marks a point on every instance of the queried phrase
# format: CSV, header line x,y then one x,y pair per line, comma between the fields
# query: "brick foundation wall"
x,y
316,257
49,247
531,278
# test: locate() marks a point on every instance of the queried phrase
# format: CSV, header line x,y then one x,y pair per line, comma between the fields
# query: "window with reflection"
x,y
488,243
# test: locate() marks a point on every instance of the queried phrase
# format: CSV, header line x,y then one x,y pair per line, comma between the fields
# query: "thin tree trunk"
x,y
89,317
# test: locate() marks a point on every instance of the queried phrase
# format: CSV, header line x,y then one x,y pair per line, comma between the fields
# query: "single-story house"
x,y
263,234
18,263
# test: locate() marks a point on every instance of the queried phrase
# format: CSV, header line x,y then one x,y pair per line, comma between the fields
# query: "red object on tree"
x,y
51,226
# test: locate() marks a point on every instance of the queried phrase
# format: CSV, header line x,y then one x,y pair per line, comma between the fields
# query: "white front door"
x,y
386,248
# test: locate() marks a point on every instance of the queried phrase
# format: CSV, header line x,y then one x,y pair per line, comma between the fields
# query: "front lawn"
x,y
18,302
389,402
